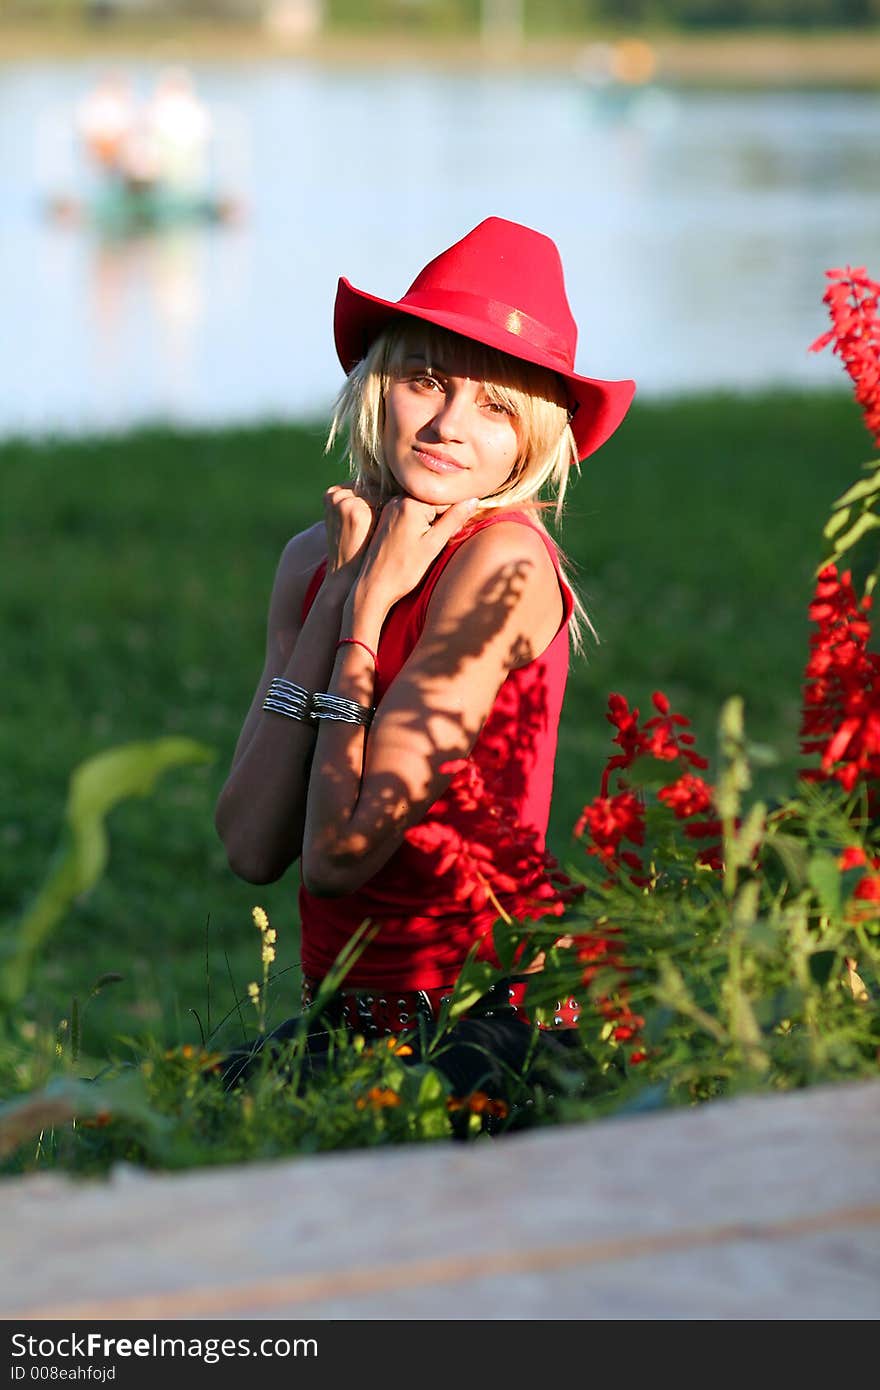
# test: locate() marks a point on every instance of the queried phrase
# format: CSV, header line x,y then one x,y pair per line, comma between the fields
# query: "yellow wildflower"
x,y
260,918
268,954
254,992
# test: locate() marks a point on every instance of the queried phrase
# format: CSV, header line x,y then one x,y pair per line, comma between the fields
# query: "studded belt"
x,y
377,1012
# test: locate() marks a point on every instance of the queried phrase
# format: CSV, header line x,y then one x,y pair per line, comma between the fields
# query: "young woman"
x,y
402,737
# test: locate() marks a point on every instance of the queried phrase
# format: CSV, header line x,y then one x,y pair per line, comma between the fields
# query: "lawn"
x,y
138,570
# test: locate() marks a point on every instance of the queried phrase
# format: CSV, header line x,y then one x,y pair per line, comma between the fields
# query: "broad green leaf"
x,y
432,1089
433,1116
96,786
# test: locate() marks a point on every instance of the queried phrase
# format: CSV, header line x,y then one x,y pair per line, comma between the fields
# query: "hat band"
x,y
504,316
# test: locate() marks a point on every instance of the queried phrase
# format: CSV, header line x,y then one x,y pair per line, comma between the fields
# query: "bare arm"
x,y
261,809
496,606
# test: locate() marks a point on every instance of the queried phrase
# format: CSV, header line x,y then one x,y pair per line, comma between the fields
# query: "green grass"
x,y
137,574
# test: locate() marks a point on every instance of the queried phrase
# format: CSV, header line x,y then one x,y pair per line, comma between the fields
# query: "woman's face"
x,y
443,439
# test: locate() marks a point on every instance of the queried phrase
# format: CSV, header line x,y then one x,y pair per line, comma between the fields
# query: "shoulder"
x,y
303,552
506,551
299,559
501,575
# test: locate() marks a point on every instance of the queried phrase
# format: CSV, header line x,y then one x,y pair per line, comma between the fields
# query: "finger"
x,y
451,521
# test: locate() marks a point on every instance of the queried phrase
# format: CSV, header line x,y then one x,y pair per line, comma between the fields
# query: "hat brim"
x,y
599,406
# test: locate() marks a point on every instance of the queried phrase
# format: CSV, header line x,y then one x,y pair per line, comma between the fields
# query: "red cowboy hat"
x,y
501,285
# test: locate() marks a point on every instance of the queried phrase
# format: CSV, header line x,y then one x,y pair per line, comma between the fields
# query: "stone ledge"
x,y
760,1207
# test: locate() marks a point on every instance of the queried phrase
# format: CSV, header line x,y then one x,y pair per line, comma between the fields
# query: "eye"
x,y
425,381
496,408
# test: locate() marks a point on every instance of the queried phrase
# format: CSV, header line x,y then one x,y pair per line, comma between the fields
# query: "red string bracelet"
x,y
356,642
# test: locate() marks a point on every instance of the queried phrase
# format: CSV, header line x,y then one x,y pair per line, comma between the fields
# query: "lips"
x,y
436,462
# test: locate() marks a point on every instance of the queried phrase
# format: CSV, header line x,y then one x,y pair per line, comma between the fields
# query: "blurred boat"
x,y
619,81
120,210
136,167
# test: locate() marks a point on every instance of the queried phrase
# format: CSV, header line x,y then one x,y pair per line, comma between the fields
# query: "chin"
x,y
441,493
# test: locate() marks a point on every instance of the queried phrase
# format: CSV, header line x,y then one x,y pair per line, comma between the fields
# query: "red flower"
x,y
608,820
853,857
855,334
611,820
841,712
689,796
868,888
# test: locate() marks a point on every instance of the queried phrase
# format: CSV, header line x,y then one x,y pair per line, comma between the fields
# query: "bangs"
x,y
507,381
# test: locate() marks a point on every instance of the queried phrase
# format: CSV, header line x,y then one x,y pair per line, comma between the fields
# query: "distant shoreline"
x,y
843,60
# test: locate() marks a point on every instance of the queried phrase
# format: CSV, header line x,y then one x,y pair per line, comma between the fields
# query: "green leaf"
x,y
762,938
748,837
735,776
821,965
475,978
745,906
646,771
657,1021
835,523
650,1098
868,521
744,1027
432,1116
867,487
823,875
762,754
672,991
65,1099
508,940
96,786
794,856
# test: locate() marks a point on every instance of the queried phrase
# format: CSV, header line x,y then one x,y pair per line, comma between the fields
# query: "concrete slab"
x,y
764,1207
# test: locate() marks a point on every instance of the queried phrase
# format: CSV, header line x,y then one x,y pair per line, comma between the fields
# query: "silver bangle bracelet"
x,y
326,706
284,697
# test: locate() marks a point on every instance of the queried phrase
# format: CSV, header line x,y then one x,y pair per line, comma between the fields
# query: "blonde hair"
x,y
534,397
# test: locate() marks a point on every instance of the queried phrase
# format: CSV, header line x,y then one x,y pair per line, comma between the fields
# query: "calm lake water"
x,y
695,229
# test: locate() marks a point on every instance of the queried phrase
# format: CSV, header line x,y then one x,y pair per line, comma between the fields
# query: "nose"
x,y
450,418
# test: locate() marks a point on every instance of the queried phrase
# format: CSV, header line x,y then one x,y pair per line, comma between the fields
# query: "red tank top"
x,y
483,838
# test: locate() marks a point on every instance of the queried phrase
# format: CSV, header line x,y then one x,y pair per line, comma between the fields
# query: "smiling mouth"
x,y
437,463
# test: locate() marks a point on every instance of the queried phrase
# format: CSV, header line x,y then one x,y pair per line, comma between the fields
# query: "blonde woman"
x,y
402,737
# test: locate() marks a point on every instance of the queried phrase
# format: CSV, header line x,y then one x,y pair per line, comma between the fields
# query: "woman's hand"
x,y
409,535
349,520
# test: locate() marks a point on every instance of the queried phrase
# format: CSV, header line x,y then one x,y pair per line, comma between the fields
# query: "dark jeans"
x,y
499,1054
